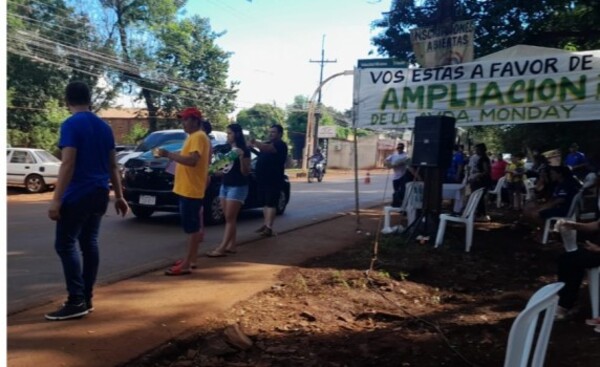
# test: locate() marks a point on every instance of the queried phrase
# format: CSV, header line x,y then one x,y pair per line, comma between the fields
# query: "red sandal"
x,y
180,261
177,270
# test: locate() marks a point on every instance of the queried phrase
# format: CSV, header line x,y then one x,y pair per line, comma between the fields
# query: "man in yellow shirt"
x,y
191,175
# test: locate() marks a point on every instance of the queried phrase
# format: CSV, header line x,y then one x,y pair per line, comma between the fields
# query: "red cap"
x,y
190,112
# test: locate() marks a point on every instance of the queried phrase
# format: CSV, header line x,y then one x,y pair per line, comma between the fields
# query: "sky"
x,y
272,42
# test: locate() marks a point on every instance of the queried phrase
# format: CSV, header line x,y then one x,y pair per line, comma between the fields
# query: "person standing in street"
x,y
403,173
81,197
191,178
270,168
234,189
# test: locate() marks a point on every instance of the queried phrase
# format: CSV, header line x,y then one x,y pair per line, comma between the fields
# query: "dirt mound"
x,y
419,307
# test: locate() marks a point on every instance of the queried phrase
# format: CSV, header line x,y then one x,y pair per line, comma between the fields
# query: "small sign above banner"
x,y
443,44
327,132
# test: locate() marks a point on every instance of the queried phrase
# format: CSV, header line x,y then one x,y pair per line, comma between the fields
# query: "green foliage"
x,y
32,83
137,133
44,129
178,63
259,118
297,117
499,24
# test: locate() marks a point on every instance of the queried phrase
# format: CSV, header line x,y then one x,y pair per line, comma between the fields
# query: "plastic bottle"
x,y
222,161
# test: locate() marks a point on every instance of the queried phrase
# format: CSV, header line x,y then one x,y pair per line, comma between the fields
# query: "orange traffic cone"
x,y
368,178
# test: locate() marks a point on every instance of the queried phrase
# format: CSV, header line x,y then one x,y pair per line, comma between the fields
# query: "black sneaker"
x,y
90,306
68,311
267,232
261,229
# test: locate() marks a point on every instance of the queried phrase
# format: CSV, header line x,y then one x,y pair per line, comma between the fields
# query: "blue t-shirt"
x,y
93,139
575,159
458,160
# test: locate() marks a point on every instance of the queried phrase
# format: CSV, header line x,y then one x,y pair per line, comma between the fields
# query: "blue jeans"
x,y
80,222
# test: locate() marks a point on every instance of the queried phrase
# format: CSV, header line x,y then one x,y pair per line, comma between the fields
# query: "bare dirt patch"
x,y
419,307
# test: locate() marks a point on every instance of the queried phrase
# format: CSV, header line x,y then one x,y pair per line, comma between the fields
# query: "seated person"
x,y
498,169
576,161
572,267
543,186
455,172
403,173
318,156
558,205
515,172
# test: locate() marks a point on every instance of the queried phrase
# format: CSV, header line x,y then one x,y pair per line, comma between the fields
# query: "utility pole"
x,y
315,137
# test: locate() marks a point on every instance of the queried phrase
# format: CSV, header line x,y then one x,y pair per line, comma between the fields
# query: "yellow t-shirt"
x,y
191,181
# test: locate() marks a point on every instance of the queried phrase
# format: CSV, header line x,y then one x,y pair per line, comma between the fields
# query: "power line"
x,y
117,64
111,59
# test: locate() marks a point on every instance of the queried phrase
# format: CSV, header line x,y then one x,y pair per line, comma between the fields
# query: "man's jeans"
x,y
400,189
80,221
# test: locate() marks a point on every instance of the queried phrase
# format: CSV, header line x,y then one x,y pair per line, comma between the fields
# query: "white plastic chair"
x,y
467,218
388,210
522,333
594,287
571,215
498,191
529,189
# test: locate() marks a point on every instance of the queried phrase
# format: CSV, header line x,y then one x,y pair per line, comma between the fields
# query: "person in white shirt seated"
x,y
403,173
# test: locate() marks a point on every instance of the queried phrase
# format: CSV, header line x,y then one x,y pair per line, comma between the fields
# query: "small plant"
x,y
300,283
403,275
338,278
384,274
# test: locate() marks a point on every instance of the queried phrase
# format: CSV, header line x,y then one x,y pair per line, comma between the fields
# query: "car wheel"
x,y
141,212
282,203
213,212
35,184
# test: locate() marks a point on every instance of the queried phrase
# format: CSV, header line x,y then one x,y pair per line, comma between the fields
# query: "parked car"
x,y
164,137
147,187
34,169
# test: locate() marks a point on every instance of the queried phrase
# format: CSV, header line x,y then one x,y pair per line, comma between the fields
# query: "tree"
x,y
297,117
259,118
41,38
173,61
499,24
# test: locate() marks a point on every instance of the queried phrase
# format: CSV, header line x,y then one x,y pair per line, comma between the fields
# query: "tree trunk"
x,y
136,77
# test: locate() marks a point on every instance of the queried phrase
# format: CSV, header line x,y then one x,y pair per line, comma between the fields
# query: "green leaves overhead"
x,y
499,24
259,118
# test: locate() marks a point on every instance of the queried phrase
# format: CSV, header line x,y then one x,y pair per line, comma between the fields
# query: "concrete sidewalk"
x,y
135,316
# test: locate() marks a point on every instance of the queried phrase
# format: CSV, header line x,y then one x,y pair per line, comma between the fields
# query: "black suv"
x,y
148,187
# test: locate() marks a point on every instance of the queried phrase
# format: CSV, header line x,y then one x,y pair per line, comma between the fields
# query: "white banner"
x,y
560,87
444,44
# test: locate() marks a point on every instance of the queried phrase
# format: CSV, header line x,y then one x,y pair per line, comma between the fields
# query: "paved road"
x,y
130,246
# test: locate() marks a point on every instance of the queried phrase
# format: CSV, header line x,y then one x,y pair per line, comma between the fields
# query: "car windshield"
x,y
46,156
159,138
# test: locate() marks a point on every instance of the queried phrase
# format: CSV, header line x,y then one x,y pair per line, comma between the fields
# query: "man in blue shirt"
x,y
576,161
456,170
81,198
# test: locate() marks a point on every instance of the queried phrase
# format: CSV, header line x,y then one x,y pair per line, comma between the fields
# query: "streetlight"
x,y
310,144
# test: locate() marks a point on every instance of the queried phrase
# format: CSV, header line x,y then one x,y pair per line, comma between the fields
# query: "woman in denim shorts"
x,y
234,189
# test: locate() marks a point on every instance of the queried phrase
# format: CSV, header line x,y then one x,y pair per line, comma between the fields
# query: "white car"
x,y
34,169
